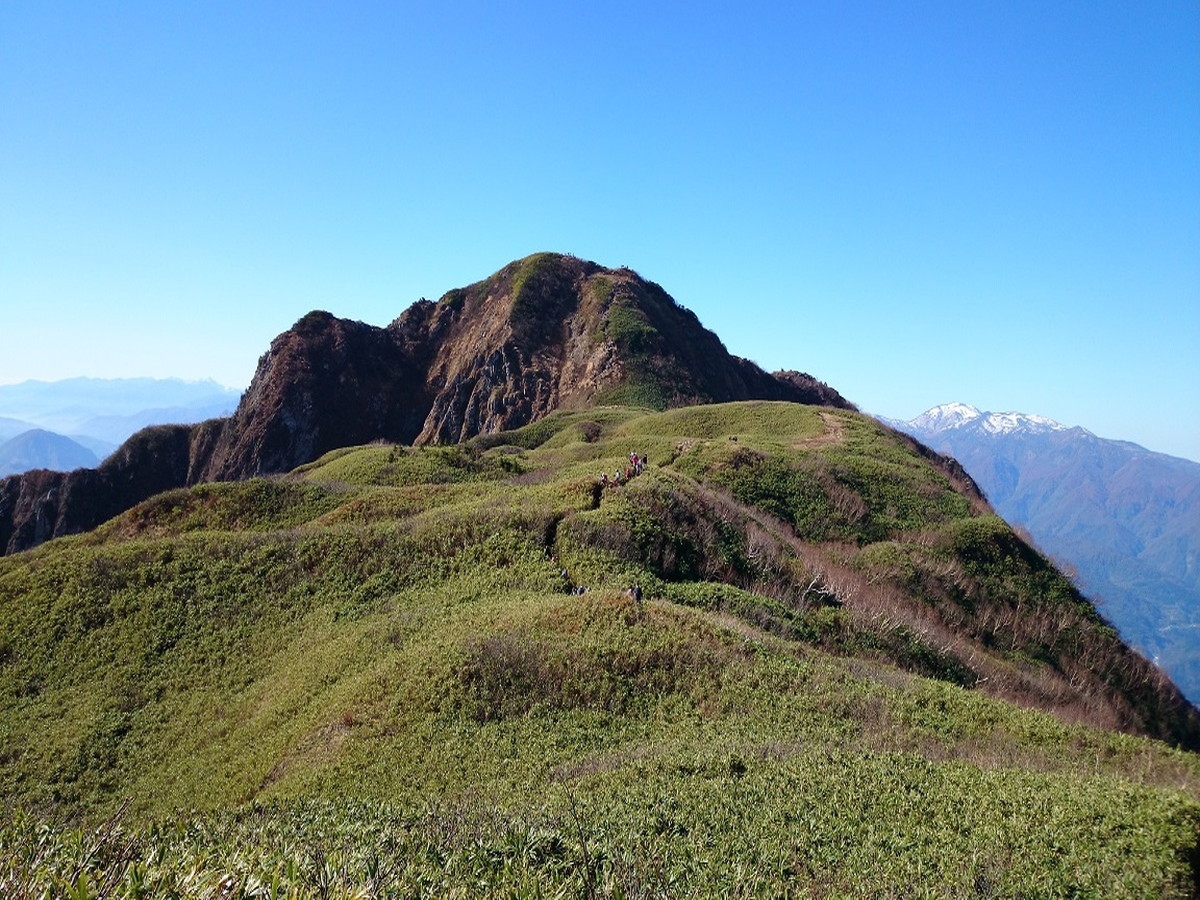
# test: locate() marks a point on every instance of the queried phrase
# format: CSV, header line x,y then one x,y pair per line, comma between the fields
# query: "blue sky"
x,y
997,203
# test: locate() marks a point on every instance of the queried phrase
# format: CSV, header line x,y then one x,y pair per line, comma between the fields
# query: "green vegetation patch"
x,y
543,295
755,422
725,819
598,651
635,392
396,466
828,491
629,328
259,504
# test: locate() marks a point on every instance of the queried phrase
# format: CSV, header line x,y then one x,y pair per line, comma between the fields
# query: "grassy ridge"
x,y
391,628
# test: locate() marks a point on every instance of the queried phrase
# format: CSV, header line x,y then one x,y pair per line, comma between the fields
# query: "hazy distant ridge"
x,y
68,406
38,449
97,415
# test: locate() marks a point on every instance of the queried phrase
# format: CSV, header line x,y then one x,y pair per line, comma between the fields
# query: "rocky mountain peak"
x,y
546,332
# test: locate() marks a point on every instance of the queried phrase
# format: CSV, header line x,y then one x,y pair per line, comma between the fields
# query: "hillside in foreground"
x,y
847,677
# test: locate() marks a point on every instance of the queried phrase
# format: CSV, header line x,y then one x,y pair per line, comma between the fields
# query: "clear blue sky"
x,y
991,202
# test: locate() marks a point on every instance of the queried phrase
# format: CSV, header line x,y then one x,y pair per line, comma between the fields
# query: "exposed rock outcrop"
x,y
325,383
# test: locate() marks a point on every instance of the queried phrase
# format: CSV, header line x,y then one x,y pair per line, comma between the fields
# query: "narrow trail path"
x,y
835,432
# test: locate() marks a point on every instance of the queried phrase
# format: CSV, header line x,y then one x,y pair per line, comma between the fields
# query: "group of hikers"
x,y
637,462
634,591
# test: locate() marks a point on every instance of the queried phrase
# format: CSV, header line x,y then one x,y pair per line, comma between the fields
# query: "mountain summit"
x,y
545,333
961,415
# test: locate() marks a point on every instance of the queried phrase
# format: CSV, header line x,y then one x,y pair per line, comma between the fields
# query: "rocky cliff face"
x,y
325,383
544,333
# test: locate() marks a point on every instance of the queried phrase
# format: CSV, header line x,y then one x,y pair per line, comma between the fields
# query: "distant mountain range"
x,y
63,425
1124,519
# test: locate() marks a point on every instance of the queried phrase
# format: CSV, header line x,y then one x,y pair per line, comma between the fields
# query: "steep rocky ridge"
x,y
551,332
544,333
324,383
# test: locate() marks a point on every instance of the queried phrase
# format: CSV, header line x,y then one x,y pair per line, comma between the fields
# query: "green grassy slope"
x,y
369,676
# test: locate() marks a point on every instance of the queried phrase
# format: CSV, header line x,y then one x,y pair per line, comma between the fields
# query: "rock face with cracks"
x,y
544,333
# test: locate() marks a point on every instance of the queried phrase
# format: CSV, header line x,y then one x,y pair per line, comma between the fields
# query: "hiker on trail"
x,y
604,479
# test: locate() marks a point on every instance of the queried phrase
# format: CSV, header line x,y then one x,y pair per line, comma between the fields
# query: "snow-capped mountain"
x,y
1126,520
944,417
960,415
